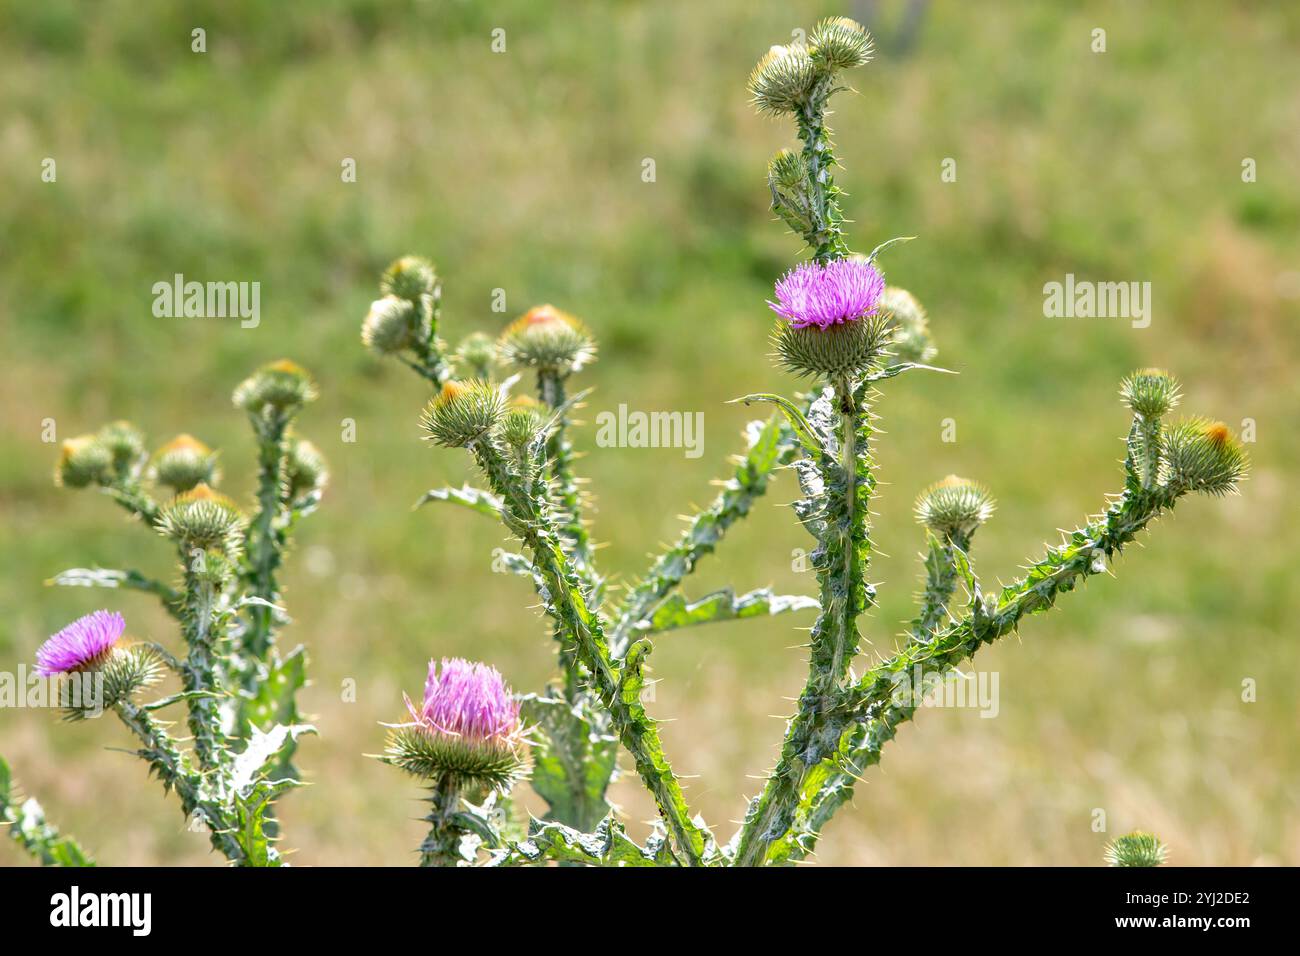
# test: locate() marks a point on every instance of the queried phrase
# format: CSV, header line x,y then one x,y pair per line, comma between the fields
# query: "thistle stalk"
x,y
442,846
265,543
618,685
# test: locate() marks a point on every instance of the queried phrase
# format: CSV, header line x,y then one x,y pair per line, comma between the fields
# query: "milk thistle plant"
x,y
843,330
238,688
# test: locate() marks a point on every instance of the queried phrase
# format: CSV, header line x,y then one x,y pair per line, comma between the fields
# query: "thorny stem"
x,y
618,685
845,595
264,542
198,671
175,774
442,846
825,235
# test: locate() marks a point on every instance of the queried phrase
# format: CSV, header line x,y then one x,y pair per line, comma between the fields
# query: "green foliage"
x,y
23,821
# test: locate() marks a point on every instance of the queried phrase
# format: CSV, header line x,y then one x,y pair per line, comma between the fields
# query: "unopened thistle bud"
x,y
788,170
1203,456
305,469
183,463
841,44
524,418
90,645
547,339
391,325
831,322
201,518
782,79
909,325
124,442
281,386
1150,392
954,507
1136,849
83,461
476,356
465,733
463,412
411,278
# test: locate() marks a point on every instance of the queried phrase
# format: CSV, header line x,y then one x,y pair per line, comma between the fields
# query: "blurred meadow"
x,y
522,171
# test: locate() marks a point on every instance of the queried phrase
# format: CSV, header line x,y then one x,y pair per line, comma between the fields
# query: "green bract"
x,y
463,412
848,348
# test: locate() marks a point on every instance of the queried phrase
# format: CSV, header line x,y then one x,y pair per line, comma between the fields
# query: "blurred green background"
x,y
522,171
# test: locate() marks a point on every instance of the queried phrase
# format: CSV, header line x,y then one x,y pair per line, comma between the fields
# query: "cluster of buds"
x,y
787,77
402,319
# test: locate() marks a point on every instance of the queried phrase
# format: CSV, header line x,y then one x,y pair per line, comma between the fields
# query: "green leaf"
x,y
609,845
476,499
897,240
724,605
573,762
811,438
262,746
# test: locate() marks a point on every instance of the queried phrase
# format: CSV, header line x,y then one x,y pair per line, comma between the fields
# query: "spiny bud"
x,y
201,518
954,507
787,170
305,469
183,463
466,733
279,386
1203,456
410,278
1136,849
463,412
475,356
83,461
391,325
841,43
1150,392
546,338
782,79
523,419
909,324
124,442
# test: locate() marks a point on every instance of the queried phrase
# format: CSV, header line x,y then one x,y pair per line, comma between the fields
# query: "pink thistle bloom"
x,y
468,700
812,294
85,642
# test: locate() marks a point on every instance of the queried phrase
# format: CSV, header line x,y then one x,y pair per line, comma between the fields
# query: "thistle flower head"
x,y
85,644
1136,849
463,412
202,518
909,324
466,731
391,325
305,469
813,294
782,79
281,386
546,338
832,323
841,44
1203,456
185,462
124,442
83,461
475,356
410,278
954,507
1150,392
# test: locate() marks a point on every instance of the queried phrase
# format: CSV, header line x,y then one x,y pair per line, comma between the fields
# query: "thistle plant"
x,y
843,330
237,686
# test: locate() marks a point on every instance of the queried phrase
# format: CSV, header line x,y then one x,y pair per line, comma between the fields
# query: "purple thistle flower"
x,y
468,700
812,294
85,641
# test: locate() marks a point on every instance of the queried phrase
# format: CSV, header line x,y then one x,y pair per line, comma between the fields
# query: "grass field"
x,y
522,171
